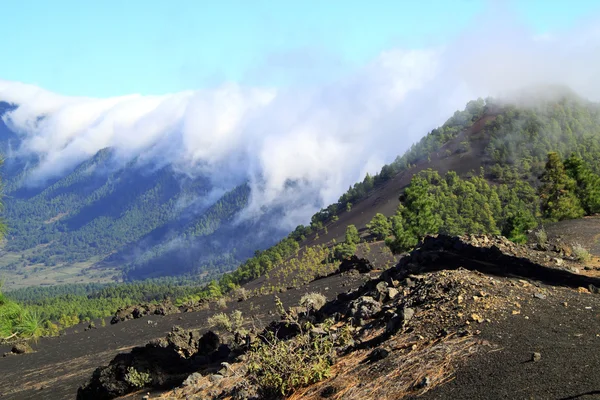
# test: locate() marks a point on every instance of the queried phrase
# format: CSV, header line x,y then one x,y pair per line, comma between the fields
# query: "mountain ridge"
x,y
464,144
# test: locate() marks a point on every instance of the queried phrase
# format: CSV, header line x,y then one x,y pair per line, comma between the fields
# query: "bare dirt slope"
x,y
566,336
583,231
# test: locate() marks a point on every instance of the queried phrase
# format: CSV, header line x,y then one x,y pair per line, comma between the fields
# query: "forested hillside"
x,y
132,221
494,167
521,165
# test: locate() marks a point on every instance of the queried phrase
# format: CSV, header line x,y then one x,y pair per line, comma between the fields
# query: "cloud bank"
x,y
321,138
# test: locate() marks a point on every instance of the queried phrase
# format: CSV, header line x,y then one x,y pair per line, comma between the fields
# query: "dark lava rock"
x,y
141,310
399,320
328,391
377,354
364,307
361,265
168,362
283,330
21,348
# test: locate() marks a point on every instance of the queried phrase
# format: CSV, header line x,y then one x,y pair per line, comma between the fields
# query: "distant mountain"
x,y
142,219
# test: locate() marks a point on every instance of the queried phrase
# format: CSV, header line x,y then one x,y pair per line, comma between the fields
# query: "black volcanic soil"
x,y
508,305
61,364
566,336
568,339
583,231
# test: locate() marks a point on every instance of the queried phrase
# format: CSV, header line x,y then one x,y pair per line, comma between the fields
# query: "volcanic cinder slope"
x,y
481,307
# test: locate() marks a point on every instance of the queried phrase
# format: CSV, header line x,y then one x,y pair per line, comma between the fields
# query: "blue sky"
x,y
108,48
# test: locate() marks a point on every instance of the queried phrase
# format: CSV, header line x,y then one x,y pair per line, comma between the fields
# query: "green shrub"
x,y
18,322
541,236
242,294
380,226
580,253
220,321
51,329
30,325
137,378
278,367
232,323
222,303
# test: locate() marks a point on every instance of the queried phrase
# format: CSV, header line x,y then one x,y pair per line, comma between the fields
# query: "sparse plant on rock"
x,y
242,294
137,378
313,301
232,323
278,367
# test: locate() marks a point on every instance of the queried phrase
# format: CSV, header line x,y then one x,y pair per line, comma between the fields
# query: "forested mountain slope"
x,y
508,142
135,220
151,222
496,167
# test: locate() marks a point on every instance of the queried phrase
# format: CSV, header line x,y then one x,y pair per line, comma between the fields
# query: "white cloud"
x,y
323,138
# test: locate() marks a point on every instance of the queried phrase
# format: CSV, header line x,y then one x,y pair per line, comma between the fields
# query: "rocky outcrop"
x,y
361,265
433,300
19,348
493,255
163,363
142,310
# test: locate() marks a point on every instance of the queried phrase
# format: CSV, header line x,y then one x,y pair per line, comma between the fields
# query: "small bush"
x,y
51,329
464,147
313,301
581,254
343,251
222,303
279,367
242,294
232,323
220,321
137,378
541,236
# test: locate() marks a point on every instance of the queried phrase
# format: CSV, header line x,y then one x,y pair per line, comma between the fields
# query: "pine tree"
x,y
557,193
402,239
588,183
352,236
380,226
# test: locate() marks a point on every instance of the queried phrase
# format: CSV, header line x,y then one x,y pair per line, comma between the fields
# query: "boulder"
x,y
361,265
21,348
141,310
168,362
364,307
